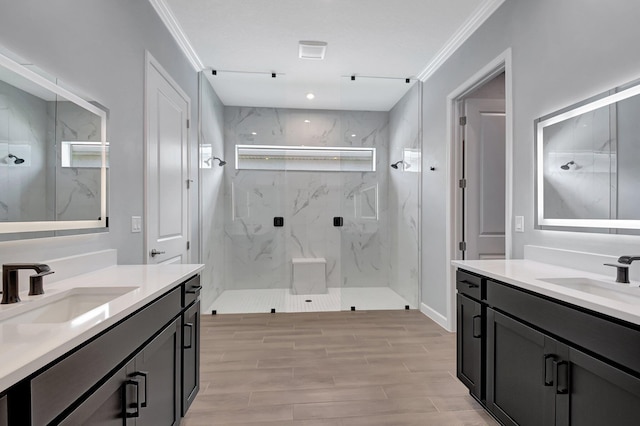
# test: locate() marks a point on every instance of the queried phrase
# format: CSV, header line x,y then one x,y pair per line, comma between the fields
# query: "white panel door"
x,y
485,193
167,111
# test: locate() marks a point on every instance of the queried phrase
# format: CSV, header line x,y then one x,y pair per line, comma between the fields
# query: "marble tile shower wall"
x,y
26,124
258,255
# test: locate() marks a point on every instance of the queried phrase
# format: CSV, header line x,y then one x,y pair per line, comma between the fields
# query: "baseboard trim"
x,y
437,317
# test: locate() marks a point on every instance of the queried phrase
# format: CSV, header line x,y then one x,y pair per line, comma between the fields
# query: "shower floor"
x,y
337,299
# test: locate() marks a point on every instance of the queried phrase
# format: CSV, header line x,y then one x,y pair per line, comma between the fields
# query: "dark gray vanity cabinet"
x,y
133,373
470,332
547,362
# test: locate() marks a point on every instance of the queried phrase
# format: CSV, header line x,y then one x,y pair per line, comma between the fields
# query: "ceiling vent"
x,y
312,49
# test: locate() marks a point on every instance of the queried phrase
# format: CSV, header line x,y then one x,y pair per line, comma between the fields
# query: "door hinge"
x,y
189,183
462,183
463,121
188,123
462,245
188,245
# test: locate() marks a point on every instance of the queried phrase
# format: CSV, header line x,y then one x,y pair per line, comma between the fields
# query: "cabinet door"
x,y
190,355
520,359
157,368
115,400
4,412
469,349
596,393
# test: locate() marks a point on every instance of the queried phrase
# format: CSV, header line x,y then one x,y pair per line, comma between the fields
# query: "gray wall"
x,y
98,47
563,52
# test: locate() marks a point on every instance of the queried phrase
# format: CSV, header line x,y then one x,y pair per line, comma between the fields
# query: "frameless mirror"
x,y
587,158
52,157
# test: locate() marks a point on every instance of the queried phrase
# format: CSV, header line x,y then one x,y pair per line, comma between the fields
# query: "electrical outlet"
x,y
519,224
136,224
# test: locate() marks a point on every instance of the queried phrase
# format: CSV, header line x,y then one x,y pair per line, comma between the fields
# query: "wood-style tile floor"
x,y
330,369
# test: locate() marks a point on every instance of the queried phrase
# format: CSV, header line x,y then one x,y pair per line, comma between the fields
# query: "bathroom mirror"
x,y
587,158
52,157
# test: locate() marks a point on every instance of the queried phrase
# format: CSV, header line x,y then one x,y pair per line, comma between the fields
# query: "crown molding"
x,y
168,18
481,14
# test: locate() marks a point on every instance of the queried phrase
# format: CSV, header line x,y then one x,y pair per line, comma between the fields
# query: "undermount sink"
x,y
620,292
65,306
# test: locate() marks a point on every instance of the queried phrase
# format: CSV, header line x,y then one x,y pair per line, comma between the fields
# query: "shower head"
x,y
221,162
395,165
567,166
16,160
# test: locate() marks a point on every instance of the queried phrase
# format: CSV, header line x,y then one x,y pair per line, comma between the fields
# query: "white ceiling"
x,y
366,38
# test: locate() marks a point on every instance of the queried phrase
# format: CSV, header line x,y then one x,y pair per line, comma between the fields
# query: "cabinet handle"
x,y
562,380
477,334
194,290
470,284
126,414
142,374
190,335
548,369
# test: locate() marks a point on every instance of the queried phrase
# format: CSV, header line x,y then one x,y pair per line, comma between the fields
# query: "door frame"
x,y
502,63
150,61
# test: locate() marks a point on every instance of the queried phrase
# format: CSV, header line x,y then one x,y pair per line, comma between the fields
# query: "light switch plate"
x,y
136,224
519,223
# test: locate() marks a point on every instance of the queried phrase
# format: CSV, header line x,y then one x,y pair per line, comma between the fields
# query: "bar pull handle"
x,y
194,289
190,326
142,374
126,414
562,377
470,284
477,334
548,369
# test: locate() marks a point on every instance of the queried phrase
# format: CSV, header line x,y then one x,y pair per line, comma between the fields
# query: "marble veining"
x,y
308,201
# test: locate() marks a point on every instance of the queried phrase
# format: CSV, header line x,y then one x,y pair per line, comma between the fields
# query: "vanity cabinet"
x,y
133,373
547,362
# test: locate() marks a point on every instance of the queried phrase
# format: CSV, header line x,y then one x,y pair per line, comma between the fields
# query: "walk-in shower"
x,y
313,219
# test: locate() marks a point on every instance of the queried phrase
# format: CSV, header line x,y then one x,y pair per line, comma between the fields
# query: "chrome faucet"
x,y
10,287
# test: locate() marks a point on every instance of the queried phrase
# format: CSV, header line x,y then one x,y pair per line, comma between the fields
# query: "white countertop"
x,y
526,274
24,348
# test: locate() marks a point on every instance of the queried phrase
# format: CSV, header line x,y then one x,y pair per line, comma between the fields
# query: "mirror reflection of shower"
x,y
221,162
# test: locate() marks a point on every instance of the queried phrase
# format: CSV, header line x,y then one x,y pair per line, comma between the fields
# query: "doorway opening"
x,y
480,178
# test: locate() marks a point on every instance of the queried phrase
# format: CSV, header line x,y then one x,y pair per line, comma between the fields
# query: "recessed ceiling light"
x,y
312,49
353,135
310,96
307,121
254,133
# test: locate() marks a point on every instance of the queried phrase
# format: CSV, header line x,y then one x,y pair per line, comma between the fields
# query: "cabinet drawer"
x,y
191,290
56,388
470,284
607,337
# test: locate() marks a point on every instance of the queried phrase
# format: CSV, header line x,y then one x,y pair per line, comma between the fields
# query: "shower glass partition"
x,y
314,217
